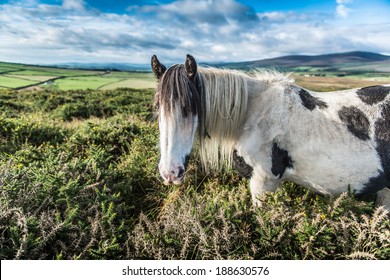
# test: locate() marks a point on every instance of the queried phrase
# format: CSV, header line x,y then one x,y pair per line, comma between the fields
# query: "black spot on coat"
x,y
373,94
382,138
311,102
356,121
280,161
241,166
186,161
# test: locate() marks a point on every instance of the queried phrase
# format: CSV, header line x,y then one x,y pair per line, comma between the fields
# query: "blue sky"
x,y
131,31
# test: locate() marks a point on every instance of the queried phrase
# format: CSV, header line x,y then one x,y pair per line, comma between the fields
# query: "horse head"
x,y
178,103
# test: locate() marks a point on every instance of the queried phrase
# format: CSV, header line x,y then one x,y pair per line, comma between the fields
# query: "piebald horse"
x,y
271,129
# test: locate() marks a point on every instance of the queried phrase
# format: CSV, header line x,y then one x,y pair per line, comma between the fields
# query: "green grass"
x,y
13,82
93,82
133,80
35,78
4,67
108,81
35,71
79,180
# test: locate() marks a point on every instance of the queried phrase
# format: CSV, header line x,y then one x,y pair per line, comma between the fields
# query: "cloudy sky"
x,y
131,31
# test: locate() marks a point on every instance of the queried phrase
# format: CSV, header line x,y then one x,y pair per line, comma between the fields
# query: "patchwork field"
x,y
20,77
17,76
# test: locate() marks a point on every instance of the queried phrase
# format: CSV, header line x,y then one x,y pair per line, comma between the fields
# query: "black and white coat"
x,y
326,141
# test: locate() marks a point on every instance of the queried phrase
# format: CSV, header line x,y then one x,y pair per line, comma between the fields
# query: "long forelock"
x,y
176,91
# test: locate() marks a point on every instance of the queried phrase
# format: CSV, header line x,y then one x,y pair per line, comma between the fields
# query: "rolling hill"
x,y
338,61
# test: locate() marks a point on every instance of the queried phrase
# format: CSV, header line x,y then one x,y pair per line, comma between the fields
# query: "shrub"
x,y
89,188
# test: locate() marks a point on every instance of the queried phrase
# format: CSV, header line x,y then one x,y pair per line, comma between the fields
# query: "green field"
x,y
79,180
92,82
108,81
14,82
17,76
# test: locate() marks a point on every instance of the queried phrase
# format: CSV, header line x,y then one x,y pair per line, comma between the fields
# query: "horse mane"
x,y
225,96
272,77
225,101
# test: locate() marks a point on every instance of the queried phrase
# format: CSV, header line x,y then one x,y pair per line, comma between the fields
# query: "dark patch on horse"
x,y
311,102
356,121
375,184
239,164
374,94
382,138
280,161
186,161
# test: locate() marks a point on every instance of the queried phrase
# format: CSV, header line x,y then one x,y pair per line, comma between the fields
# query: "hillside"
x,y
338,61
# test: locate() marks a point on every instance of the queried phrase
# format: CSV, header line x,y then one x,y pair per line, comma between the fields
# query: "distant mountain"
x,y
326,60
349,61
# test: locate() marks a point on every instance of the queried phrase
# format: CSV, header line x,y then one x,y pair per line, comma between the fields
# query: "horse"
x,y
272,130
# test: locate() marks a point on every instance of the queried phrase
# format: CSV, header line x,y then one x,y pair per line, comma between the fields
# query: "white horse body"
x,y
324,155
330,142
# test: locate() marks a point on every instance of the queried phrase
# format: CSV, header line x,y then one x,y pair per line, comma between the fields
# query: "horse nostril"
x,y
181,172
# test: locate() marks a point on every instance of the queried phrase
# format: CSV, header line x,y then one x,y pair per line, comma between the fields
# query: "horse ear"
x,y
191,67
157,67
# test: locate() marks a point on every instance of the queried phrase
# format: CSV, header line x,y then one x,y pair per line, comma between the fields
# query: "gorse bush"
x,y
221,224
79,180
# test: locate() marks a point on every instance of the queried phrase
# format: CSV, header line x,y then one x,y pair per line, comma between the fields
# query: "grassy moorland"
x,y
79,180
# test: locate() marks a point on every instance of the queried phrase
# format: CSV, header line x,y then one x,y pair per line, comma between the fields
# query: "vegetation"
x,y
79,180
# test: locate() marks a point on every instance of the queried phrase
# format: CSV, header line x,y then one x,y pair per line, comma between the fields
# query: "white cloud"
x,y
343,1
229,31
342,10
73,4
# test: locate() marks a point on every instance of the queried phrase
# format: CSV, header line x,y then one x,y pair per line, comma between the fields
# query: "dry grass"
x,y
332,83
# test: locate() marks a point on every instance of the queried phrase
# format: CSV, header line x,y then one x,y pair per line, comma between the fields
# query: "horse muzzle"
x,y
174,177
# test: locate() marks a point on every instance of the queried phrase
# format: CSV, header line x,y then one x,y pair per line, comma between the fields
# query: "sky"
x,y
131,31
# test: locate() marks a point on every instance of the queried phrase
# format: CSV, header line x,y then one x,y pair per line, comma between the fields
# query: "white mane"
x,y
225,99
272,76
